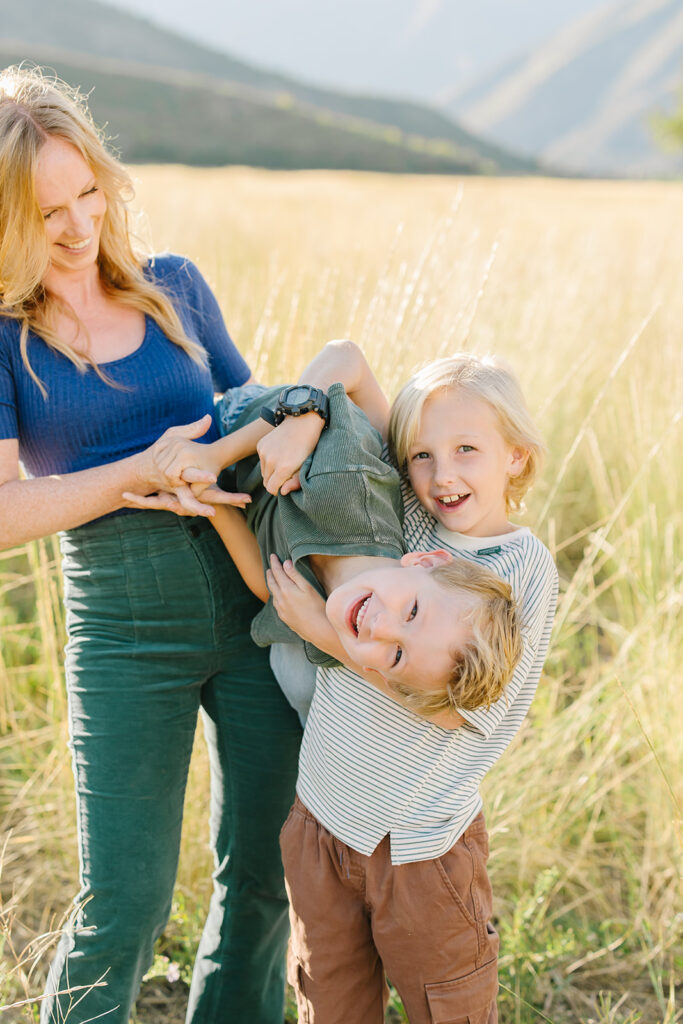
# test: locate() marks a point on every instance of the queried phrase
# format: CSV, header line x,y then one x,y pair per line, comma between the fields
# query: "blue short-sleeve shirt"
x,y
85,422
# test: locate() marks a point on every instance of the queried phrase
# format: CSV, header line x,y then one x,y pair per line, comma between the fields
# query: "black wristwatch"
x,y
296,400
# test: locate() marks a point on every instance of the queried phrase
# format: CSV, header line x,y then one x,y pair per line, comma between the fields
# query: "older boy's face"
x,y
460,464
399,621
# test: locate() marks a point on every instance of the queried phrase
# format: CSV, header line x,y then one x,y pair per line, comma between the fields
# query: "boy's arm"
x,y
242,547
538,601
185,472
343,362
177,460
447,719
283,451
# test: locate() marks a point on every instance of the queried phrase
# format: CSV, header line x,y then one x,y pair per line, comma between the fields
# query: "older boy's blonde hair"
x,y
484,666
484,377
34,108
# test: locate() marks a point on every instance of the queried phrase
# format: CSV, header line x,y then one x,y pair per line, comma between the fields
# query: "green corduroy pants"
x,y
158,623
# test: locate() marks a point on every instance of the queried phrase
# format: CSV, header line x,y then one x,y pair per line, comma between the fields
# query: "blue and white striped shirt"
x,y
369,767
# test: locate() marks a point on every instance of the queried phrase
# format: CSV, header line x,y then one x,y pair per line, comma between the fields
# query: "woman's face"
x,y
72,205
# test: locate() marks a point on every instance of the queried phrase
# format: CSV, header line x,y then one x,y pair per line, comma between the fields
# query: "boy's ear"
x,y
427,559
518,460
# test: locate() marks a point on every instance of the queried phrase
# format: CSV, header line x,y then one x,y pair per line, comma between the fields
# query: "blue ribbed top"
x,y
85,422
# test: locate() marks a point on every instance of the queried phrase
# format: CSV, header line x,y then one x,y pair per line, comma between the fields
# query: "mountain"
x,y
168,98
404,48
585,100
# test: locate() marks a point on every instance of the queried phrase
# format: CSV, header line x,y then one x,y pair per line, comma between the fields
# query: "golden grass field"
x,y
578,285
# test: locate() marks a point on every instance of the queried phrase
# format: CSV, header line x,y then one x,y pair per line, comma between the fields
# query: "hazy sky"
x,y
412,47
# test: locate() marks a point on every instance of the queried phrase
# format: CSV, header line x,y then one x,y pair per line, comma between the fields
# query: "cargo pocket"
x,y
467,1000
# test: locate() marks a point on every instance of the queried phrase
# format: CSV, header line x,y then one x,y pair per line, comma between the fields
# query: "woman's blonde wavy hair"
x,y
34,107
485,377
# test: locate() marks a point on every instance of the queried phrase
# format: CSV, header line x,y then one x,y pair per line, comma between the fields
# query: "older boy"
x,y
370,877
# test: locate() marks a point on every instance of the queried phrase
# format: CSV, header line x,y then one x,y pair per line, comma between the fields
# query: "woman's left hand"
x,y
183,502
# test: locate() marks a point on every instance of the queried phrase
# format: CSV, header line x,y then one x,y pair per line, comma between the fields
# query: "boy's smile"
x,y
401,622
460,464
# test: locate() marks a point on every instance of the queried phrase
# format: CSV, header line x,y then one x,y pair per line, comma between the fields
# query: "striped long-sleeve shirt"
x,y
369,767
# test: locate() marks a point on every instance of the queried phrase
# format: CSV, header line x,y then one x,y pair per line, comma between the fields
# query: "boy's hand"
x,y
297,603
284,450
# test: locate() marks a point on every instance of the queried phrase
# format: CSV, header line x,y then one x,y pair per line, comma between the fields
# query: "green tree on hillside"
x,y
668,128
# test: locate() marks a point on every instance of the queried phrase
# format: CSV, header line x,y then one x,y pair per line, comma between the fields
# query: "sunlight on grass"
x,y
577,284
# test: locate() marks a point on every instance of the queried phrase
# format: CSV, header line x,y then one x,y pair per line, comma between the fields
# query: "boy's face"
x,y
401,622
460,464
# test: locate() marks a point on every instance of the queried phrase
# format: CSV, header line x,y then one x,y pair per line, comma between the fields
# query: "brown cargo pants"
x,y
354,917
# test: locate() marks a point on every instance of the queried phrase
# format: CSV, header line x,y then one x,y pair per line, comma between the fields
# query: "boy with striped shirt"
x,y
385,848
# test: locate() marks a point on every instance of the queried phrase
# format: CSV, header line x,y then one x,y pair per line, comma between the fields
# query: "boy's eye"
x,y
399,655
466,448
413,612
420,455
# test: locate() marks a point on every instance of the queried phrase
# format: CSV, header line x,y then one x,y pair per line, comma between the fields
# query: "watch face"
x,y
297,394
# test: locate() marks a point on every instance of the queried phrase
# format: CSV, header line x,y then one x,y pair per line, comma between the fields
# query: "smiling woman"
x,y
74,207
72,204
102,350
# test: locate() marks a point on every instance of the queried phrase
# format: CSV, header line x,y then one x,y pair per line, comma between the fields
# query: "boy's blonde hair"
x,y
483,377
34,108
484,666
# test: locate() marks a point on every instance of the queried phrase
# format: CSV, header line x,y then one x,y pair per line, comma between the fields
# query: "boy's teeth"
x,y
360,615
451,498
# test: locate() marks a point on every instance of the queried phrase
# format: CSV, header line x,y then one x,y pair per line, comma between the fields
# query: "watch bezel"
x,y
316,401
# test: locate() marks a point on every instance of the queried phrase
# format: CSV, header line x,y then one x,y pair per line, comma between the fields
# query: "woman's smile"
x,y
72,204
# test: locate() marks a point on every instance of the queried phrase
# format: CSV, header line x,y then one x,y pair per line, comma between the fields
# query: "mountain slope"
x,y
88,34
415,48
584,100
158,117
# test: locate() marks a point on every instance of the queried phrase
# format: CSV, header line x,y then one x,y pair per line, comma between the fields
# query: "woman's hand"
x,y
284,450
173,460
183,502
297,603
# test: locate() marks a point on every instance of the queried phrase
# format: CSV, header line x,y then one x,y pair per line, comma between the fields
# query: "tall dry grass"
x,y
577,284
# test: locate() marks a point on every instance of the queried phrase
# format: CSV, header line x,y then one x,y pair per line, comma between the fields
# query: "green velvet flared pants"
x,y
158,623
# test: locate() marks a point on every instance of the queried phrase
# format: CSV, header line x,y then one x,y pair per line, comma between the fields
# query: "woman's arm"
x,y
39,507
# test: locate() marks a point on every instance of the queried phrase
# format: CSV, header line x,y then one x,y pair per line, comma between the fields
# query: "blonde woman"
x,y
101,351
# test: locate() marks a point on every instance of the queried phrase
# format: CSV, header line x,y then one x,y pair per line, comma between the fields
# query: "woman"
x,y
101,351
